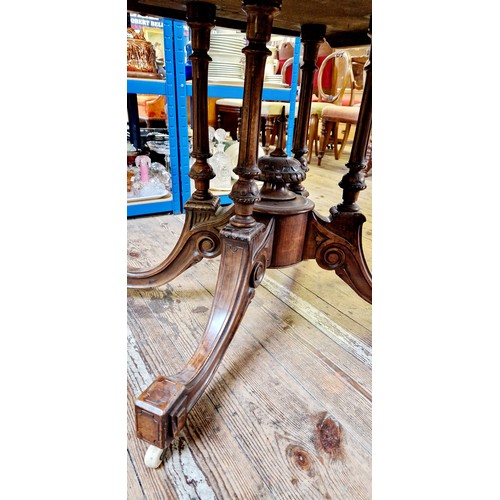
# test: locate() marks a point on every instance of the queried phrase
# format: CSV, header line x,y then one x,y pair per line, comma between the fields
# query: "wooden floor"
x,y
288,413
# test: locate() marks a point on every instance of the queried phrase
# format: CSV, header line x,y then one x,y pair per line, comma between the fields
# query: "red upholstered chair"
x,y
285,58
285,54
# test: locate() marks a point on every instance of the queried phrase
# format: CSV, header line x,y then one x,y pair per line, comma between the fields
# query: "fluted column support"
x,y
200,18
311,37
354,181
245,193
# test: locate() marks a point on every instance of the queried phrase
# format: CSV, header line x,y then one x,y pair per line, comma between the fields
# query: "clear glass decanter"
x,y
221,164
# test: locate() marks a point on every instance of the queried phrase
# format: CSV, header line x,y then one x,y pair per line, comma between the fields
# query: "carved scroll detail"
x,y
335,243
199,238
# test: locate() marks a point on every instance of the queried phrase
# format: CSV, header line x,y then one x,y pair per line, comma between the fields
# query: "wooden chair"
x,y
333,115
341,79
334,78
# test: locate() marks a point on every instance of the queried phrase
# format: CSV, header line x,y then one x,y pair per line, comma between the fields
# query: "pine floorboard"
x,y
288,412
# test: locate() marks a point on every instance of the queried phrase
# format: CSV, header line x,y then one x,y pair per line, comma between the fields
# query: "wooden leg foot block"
x,y
161,412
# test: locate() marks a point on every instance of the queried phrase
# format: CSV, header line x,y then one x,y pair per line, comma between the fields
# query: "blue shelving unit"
x,y
182,114
143,86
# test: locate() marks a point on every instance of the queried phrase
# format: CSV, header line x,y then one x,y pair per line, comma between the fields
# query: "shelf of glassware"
x,y
164,87
165,204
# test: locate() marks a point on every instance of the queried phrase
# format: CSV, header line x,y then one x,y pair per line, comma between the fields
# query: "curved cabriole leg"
x,y
336,244
162,408
311,36
199,238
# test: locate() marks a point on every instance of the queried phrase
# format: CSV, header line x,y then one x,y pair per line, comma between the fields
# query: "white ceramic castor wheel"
x,y
153,457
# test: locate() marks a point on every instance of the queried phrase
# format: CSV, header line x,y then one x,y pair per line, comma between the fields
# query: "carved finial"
x,y
278,169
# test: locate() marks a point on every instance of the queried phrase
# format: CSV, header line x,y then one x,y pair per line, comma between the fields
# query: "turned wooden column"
x,y
245,193
312,35
354,181
200,18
